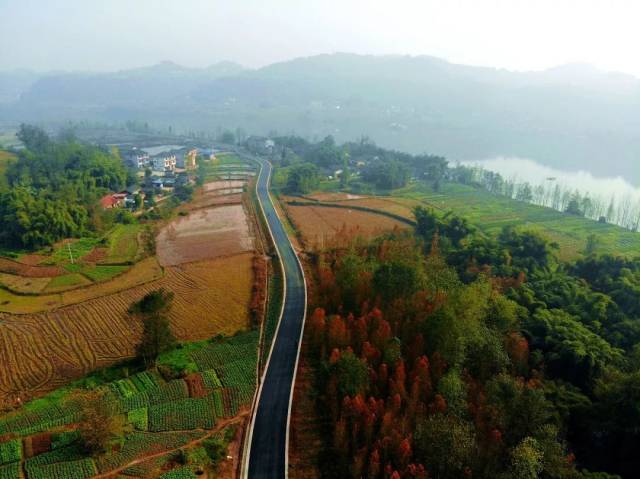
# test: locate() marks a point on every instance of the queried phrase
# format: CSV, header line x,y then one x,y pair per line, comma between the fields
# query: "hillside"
x,y
572,116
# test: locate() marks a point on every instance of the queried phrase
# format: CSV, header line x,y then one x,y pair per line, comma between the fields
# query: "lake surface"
x,y
526,170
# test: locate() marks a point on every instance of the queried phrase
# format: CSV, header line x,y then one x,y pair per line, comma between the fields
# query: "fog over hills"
x,y
570,117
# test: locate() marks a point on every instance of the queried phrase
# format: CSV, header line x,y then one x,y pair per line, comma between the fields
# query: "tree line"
x,y
54,187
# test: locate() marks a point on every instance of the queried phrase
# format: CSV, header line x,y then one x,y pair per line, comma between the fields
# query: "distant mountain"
x,y
573,116
14,83
164,84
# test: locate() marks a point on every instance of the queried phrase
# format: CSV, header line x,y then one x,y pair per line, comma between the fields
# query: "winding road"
x,y
267,451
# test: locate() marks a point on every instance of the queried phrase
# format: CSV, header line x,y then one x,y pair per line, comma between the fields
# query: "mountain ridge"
x,y
571,116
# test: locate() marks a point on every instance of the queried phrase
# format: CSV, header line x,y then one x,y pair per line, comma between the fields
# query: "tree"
x,y
574,207
352,374
526,460
33,138
139,202
100,423
525,193
302,178
445,444
153,310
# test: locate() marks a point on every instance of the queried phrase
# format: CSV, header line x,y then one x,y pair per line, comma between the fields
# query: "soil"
x,y
29,271
204,234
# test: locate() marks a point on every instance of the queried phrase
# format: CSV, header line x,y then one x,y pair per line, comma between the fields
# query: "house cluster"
x,y
165,162
156,163
123,199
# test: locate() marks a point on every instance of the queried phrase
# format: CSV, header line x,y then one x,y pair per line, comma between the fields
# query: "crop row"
x,y
243,346
139,443
238,373
10,471
10,451
184,472
79,469
138,383
139,418
170,391
183,414
211,380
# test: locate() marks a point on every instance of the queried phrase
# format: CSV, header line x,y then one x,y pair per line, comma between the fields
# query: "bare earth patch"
x,y
203,234
30,271
33,259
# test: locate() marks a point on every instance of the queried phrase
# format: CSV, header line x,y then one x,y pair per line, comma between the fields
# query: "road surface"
x,y
268,435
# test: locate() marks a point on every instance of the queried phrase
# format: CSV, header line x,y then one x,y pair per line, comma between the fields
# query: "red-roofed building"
x,y
112,201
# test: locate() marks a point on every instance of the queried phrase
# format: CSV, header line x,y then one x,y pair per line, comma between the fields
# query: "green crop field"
x,y
123,244
491,213
160,414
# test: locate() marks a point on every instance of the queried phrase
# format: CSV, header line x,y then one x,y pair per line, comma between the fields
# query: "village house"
x,y
164,163
113,200
188,161
139,161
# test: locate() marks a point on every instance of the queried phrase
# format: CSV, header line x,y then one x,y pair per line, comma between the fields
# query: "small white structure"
x,y
165,163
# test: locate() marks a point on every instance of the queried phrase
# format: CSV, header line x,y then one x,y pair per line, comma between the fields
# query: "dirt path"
x,y
140,460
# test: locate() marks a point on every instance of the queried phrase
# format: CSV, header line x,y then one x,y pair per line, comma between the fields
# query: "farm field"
x,y
66,327
226,166
205,233
72,264
160,417
42,351
318,224
50,334
490,213
17,295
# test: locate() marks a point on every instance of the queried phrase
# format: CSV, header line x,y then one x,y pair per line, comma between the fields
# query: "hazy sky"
x,y
514,34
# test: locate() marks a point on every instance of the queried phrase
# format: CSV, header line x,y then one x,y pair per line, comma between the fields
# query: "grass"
x,y
101,273
60,283
23,285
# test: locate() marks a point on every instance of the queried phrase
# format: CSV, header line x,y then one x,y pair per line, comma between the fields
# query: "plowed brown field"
x,y
205,233
40,352
319,224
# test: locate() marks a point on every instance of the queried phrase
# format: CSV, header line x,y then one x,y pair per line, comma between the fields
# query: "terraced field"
x,y
160,415
40,352
491,213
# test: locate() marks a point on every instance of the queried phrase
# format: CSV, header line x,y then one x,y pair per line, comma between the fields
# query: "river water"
x,y
526,170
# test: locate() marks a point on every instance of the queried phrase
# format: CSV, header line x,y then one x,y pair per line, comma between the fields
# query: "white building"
x,y
164,163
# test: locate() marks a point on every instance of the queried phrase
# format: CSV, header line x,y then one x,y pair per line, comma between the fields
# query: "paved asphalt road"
x,y
268,448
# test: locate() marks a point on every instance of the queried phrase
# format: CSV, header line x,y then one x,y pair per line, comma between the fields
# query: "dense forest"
x,y
54,187
442,353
